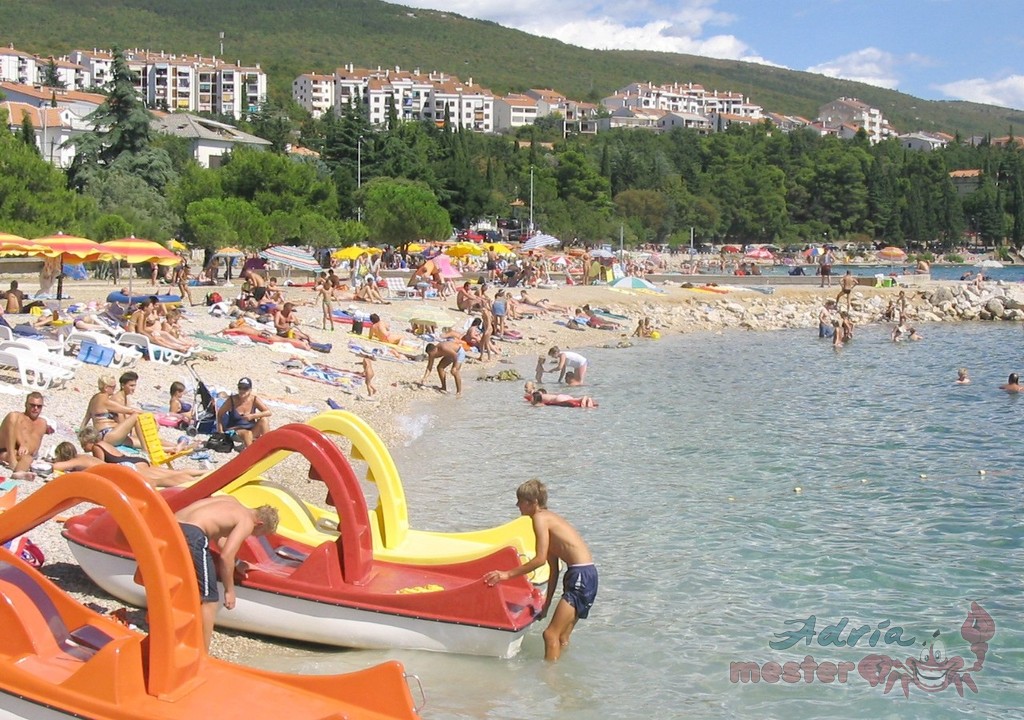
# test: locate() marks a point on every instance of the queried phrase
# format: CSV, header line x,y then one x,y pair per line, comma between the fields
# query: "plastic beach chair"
x,y
156,353
150,433
32,370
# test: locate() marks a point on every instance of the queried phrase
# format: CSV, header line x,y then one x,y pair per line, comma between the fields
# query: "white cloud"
x,y
675,27
870,65
1007,92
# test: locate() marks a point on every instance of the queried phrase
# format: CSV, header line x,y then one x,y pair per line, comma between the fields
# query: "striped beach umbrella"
x,y
892,253
292,257
135,250
17,245
70,248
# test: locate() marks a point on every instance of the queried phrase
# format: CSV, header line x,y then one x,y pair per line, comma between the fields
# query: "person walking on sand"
x,y
846,285
447,354
21,434
324,292
225,523
557,540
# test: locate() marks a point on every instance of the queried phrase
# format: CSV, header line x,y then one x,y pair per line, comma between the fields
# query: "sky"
x,y
932,49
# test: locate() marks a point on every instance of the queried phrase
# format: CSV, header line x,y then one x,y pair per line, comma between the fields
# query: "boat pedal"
x,y
89,636
290,553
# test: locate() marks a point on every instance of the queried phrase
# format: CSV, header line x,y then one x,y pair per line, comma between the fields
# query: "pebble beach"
x,y
295,399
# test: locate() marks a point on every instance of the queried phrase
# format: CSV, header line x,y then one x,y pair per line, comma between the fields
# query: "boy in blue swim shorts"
x,y
556,540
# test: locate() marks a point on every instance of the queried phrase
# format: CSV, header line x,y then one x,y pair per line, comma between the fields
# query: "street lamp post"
x,y
359,174
531,201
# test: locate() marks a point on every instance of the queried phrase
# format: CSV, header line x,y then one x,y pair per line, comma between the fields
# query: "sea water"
x,y
741,489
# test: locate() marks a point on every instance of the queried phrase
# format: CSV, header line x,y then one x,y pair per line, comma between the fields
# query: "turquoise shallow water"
x,y
683,483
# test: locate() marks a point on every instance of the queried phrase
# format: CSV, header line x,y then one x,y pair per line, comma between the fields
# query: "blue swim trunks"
x,y
202,558
579,588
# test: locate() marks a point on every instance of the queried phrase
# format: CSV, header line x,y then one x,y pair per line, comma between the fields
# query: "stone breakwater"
x,y
751,311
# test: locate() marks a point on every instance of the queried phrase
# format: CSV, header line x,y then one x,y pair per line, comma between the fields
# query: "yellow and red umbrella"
x,y
69,248
135,250
17,245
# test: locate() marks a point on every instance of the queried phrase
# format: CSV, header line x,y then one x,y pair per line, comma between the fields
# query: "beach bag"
x,y
220,442
213,298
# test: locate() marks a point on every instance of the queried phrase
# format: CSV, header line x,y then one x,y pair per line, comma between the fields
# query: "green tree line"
x,y
412,181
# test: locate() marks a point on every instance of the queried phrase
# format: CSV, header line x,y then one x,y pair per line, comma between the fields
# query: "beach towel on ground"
x,y
345,380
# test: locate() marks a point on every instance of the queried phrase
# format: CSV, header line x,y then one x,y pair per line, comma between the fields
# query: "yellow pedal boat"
x,y
393,539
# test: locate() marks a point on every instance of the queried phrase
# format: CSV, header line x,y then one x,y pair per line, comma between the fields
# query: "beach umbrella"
x,y
558,260
760,254
415,248
17,245
633,283
601,253
463,249
353,251
539,241
177,245
499,248
291,257
229,252
892,253
70,248
135,250
814,252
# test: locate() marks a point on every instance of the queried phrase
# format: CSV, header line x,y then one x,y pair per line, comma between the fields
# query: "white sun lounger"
x,y
156,353
124,355
43,351
32,371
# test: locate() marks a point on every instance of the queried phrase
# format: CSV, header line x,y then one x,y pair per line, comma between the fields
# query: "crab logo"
x,y
935,670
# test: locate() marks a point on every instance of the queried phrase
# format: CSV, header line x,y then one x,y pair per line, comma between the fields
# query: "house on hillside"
x,y
53,127
852,112
924,141
210,140
514,110
81,104
965,181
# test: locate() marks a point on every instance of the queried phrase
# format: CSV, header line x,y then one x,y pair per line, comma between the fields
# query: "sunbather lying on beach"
x,y
98,452
539,397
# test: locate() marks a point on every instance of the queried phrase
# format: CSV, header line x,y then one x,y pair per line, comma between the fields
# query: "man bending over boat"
x,y
556,540
226,523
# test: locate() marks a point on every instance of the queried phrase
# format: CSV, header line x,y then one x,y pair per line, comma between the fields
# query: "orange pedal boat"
x,y
59,658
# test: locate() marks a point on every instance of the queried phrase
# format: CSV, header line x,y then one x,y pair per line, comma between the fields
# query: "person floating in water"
x,y
962,378
1012,384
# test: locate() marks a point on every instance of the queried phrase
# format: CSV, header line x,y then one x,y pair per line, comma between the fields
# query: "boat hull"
x,y
297,618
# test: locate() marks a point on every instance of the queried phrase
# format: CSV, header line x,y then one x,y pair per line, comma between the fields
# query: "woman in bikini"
x,y
112,420
97,451
380,330
244,413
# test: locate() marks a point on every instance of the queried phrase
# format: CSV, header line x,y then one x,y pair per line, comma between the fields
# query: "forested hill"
x,y
289,38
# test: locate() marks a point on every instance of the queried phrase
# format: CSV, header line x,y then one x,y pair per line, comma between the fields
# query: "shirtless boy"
x,y
846,285
21,434
226,523
448,354
556,540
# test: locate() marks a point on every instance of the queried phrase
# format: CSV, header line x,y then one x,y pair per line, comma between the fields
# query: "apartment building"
x,y
315,92
843,113
80,103
515,110
192,83
433,96
686,98
18,67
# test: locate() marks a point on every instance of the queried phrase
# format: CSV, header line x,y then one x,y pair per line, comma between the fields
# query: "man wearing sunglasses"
x,y
21,434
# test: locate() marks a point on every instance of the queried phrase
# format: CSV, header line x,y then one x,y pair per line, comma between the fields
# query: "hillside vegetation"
x,y
288,39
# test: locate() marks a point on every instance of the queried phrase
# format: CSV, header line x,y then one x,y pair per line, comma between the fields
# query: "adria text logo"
x,y
933,670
